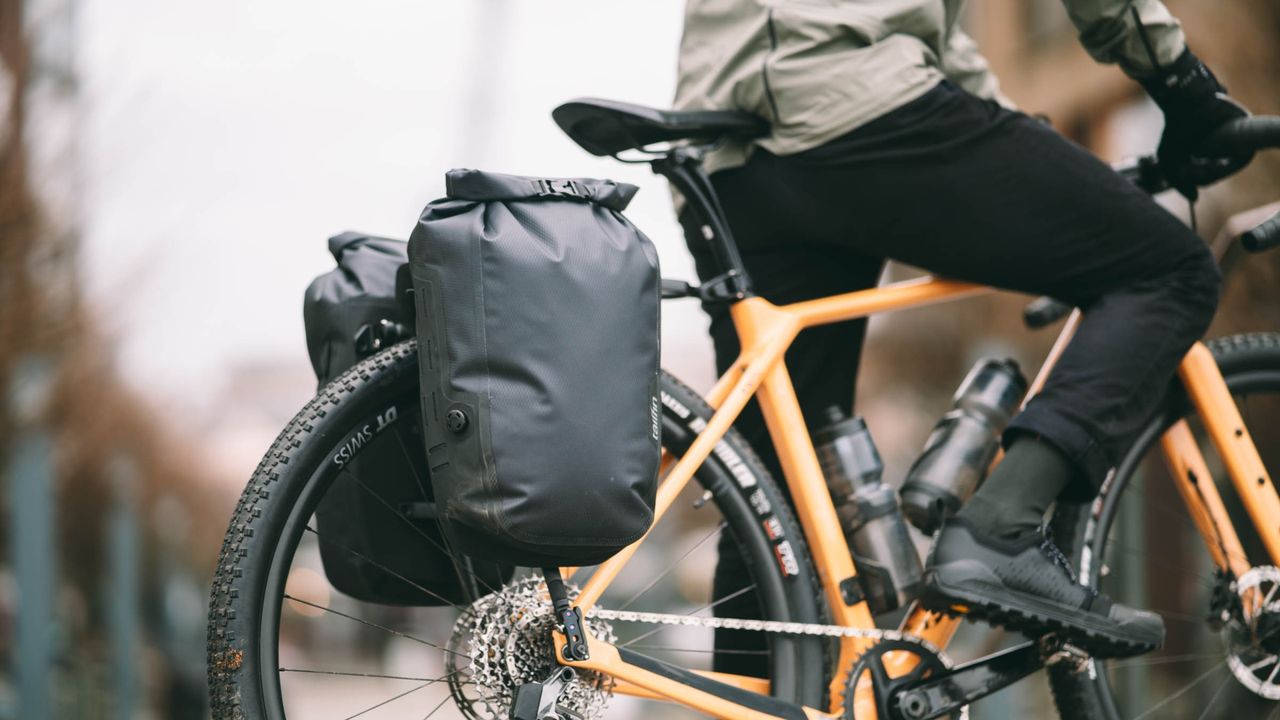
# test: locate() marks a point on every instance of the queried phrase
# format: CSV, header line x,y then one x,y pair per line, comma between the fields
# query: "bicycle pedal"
x,y
1056,652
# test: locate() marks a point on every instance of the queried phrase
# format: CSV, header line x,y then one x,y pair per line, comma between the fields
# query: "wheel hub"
x,y
1252,637
503,640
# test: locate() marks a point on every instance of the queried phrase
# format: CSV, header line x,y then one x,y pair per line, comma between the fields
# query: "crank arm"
x,y
948,692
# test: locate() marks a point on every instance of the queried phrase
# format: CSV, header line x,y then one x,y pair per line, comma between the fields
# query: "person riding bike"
x,y
890,140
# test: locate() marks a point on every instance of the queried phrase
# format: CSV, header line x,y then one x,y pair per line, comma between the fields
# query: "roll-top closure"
x,y
466,184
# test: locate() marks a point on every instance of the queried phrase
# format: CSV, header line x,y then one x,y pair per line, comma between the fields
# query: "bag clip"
x,y
722,288
567,188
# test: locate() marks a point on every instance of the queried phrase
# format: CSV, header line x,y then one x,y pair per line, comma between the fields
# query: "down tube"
x,y
816,512
684,469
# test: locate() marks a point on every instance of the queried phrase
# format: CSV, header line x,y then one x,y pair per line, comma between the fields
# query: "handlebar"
x,y
1263,237
1245,135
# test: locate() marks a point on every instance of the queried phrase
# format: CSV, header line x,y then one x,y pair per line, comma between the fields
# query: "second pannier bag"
x,y
536,306
378,540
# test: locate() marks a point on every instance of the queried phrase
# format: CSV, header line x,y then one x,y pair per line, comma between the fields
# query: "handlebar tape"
x,y
1263,237
1245,135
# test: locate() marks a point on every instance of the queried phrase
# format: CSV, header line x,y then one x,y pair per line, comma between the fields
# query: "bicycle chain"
x,y
773,626
502,637
769,626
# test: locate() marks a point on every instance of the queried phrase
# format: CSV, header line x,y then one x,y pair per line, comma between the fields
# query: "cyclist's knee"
x,y
1196,284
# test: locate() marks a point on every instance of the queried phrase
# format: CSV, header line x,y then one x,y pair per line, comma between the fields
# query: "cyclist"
x,y
890,140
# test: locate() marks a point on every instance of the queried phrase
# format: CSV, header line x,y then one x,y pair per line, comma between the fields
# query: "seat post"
x,y
683,168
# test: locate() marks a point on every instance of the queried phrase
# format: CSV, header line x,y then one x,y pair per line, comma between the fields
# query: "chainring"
x,y
505,637
869,674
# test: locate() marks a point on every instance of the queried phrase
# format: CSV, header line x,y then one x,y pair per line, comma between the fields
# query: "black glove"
x,y
1194,104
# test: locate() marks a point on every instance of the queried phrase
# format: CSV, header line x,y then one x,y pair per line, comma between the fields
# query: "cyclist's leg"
x,y
822,362
968,190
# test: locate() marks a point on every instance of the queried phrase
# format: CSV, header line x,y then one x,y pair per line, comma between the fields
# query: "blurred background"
x,y
169,172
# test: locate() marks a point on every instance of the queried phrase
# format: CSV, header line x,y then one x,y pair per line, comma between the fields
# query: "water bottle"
x,y
889,571
963,443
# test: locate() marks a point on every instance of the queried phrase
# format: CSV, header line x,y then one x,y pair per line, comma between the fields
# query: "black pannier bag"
x,y
536,307
378,548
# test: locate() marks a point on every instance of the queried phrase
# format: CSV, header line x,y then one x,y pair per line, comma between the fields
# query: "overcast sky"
x,y
225,141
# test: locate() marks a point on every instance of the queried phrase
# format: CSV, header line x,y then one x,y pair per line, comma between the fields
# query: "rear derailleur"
x,y
539,701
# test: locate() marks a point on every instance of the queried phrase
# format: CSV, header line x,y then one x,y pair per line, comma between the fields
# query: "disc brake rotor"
x,y
1253,640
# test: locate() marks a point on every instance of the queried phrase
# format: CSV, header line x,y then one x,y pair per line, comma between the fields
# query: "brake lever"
x,y
1143,172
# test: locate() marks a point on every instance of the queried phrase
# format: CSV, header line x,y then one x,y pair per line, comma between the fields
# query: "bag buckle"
x,y
559,187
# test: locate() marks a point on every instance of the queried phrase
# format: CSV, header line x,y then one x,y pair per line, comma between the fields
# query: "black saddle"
x,y
607,127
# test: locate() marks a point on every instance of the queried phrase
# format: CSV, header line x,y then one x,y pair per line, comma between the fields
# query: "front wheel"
x,y
1137,544
283,643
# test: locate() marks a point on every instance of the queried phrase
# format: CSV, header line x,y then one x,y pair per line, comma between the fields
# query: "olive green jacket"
x,y
820,68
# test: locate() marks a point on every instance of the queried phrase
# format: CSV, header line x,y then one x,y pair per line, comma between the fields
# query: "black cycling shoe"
x,y
1027,585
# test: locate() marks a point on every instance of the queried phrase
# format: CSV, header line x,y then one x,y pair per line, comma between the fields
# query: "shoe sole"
x,y
1029,615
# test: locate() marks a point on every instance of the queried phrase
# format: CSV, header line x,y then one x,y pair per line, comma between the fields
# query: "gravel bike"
x,y
280,644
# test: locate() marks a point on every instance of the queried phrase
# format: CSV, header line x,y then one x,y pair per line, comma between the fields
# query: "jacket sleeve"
x,y
964,65
1128,33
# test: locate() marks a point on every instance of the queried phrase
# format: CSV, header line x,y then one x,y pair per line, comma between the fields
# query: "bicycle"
x,y
825,653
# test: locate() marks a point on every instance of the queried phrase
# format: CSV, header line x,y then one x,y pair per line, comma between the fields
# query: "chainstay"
x,y
769,626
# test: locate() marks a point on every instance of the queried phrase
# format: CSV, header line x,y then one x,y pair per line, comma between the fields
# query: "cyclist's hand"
x,y
1194,104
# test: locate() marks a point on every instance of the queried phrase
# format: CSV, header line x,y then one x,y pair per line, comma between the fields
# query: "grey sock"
x,y
1014,498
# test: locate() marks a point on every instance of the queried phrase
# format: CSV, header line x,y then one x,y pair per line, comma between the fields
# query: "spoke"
x,y
439,705
362,621
724,599
387,701
401,516
395,511
1174,511
1209,706
714,531
1261,664
1169,615
1183,691
340,673
695,611
385,569
413,467
1205,580
1147,662
1161,503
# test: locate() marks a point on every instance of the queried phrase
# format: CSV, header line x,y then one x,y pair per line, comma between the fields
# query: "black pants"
x,y
968,190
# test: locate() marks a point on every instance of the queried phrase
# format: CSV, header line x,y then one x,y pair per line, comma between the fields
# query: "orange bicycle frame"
x,y
766,332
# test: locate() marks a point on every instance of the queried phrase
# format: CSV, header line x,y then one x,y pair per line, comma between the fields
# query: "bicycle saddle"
x,y
607,127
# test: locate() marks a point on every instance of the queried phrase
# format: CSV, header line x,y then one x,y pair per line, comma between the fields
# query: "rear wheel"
x,y
1137,544
284,643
